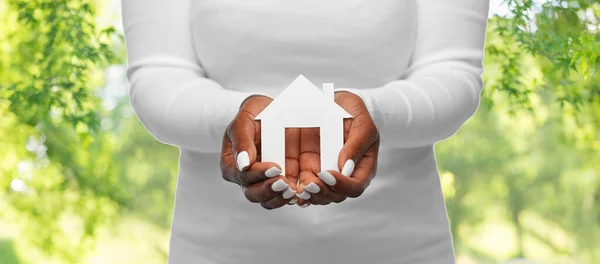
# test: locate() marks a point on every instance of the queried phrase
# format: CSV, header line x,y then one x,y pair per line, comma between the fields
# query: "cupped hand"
x,y
357,160
261,182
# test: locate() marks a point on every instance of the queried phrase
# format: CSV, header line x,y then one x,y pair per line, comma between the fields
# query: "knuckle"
x,y
236,145
243,180
365,184
340,200
324,192
374,133
223,166
247,195
373,173
229,127
356,193
317,202
226,174
322,202
313,201
232,127
354,150
266,206
247,114
314,197
235,125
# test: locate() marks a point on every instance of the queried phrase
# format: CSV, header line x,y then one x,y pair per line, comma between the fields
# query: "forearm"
x,y
425,109
179,108
443,83
170,91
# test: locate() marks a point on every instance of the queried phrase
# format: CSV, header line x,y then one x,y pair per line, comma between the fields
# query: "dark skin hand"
x,y
258,179
361,147
302,158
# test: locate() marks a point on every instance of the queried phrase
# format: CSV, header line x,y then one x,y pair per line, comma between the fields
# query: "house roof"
x,y
302,99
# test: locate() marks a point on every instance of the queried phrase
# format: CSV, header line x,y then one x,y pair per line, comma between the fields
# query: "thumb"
x,y
243,132
361,136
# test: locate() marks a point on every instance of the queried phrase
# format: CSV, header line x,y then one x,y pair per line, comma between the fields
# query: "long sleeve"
x,y
443,84
169,90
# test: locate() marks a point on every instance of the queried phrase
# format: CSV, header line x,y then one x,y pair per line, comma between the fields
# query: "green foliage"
x,y
53,57
539,129
55,51
563,34
526,164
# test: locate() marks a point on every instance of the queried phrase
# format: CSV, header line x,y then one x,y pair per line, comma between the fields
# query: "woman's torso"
x,y
262,46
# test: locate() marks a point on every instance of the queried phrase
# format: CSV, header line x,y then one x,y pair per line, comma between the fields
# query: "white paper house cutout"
x,y
302,104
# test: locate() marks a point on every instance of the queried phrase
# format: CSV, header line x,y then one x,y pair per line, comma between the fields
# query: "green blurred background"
x,y
81,181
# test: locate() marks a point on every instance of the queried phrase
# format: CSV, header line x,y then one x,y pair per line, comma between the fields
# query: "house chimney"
x,y
328,91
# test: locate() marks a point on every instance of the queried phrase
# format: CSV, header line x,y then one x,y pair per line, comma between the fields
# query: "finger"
x,y
242,133
310,163
292,172
312,188
331,197
361,136
314,191
310,149
269,189
342,185
366,168
257,172
318,193
293,201
277,201
292,154
302,203
355,185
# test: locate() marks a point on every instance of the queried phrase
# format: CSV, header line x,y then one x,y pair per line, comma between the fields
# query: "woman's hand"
x,y
357,160
261,182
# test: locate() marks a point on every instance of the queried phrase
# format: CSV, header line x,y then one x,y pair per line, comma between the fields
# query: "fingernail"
x,y
304,196
304,205
293,201
327,178
289,193
272,172
279,185
348,168
243,160
312,188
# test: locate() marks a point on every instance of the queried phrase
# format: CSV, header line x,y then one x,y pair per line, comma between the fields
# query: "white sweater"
x,y
417,64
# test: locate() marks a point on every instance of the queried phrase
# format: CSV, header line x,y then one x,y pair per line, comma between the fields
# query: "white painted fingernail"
x,y
327,178
304,196
272,172
279,185
348,168
243,160
312,188
304,205
289,193
293,201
